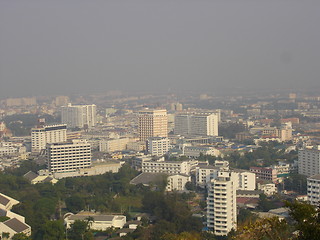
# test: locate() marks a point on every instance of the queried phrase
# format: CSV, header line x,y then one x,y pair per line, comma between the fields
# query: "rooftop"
x,y
16,225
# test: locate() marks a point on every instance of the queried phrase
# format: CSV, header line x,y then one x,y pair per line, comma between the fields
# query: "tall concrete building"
x,y
152,123
40,136
79,115
309,161
313,184
68,156
221,204
190,124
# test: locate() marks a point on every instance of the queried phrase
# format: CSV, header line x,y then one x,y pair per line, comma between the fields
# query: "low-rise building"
x,y
196,151
268,174
15,222
99,222
177,182
267,188
169,167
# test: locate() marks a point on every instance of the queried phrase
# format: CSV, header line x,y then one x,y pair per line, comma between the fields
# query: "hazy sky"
x,y
86,46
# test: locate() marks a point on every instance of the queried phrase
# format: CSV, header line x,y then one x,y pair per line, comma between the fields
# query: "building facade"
x,y
264,173
113,145
48,134
190,124
152,123
158,146
169,167
221,204
81,116
68,156
309,161
313,189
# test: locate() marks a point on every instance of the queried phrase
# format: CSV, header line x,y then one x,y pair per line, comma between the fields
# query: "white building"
x,y
158,146
221,204
205,124
68,156
268,188
313,193
152,123
47,134
101,222
204,174
80,116
177,182
244,180
169,167
309,161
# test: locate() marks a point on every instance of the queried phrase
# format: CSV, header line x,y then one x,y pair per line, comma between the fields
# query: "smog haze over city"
x,y
86,47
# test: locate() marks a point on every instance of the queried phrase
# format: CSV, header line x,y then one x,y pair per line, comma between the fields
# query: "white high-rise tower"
x,y
79,115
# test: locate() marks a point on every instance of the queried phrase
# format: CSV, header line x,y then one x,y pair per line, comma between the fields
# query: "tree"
x,y
306,219
52,230
20,236
80,230
263,229
75,203
5,235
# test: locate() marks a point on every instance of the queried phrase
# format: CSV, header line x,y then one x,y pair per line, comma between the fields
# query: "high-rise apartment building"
x,y
190,124
309,161
80,116
68,156
40,136
152,123
221,204
313,184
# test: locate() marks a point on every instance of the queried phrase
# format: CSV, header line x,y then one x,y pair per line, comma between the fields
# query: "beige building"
x,y
113,145
152,123
68,156
47,134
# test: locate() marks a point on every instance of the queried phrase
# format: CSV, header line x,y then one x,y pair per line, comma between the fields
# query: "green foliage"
x,y
264,229
296,182
3,218
229,130
170,210
52,230
20,236
20,124
265,204
269,153
306,220
75,203
245,216
80,230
